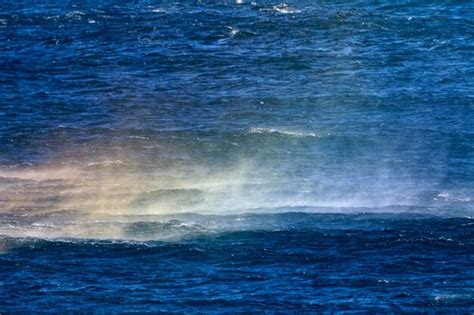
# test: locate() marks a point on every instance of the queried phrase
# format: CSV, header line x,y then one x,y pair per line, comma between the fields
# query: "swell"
x,y
406,262
187,226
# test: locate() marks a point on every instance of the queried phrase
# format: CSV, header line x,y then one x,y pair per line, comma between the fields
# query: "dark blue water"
x,y
237,156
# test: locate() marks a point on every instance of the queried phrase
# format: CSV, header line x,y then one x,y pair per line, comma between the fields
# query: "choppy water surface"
x,y
213,156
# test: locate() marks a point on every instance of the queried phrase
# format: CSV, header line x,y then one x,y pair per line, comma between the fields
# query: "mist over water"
x,y
134,183
305,156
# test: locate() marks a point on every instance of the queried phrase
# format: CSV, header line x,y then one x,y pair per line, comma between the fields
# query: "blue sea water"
x,y
237,156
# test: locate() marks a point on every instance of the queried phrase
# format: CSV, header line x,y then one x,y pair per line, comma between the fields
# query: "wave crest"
x,y
282,131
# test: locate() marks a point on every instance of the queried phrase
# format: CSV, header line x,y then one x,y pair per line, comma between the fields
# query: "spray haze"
x,y
134,194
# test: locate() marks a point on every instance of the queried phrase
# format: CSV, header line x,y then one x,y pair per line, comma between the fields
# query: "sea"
x,y
247,156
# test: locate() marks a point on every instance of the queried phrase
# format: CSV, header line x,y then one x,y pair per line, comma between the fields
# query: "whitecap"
x,y
233,31
283,132
139,137
106,163
75,15
158,10
445,196
285,9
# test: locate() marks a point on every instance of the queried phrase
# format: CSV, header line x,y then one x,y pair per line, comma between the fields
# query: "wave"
x,y
182,226
158,10
106,163
283,131
286,9
270,260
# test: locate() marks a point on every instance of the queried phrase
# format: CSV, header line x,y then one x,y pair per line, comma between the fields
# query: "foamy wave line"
x,y
106,163
158,10
284,132
285,9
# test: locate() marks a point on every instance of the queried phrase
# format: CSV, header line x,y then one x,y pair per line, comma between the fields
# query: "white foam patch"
x,y
284,131
286,9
